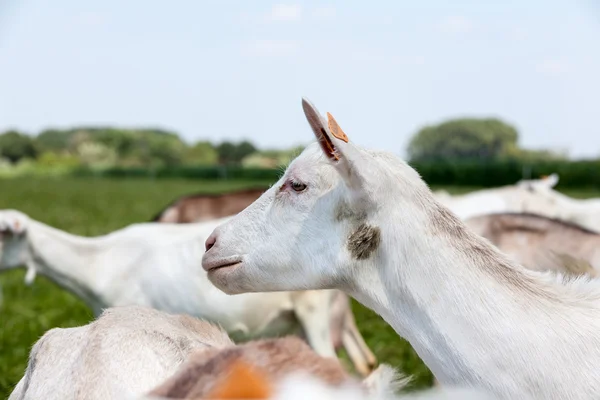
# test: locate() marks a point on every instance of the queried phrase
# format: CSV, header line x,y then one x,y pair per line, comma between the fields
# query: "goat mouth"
x,y
224,266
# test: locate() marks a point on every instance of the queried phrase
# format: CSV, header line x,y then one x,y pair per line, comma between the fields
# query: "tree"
x,y
201,153
96,154
226,151
467,138
230,153
272,158
53,140
15,145
243,149
166,150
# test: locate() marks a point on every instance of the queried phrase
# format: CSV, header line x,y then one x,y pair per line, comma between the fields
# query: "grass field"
x,y
94,207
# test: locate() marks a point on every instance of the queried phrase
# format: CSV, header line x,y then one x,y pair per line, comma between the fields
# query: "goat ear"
x,y
243,381
335,144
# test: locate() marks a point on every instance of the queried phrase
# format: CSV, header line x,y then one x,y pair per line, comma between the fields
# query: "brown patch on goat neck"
x,y
364,241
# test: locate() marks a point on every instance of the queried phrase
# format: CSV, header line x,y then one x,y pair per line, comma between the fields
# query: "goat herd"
x,y
495,290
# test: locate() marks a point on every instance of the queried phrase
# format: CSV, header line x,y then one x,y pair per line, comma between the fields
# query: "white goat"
x,y
584,212
158,265
511,198
546,182
363,221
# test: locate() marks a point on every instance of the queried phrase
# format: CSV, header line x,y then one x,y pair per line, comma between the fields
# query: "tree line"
x,y
457,140
109,147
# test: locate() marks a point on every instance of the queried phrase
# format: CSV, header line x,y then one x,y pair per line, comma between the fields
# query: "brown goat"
x,y
202,207
277,358
541,243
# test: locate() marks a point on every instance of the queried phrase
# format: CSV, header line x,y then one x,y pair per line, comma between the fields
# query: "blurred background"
x,y
109,110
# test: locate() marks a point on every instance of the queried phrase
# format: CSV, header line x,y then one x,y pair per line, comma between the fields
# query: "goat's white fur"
x,y
159,265
473,316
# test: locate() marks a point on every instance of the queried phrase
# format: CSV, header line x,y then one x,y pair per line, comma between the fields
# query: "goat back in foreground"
x,y
126,351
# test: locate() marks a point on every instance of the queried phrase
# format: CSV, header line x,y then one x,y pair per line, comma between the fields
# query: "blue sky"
x,y
237,69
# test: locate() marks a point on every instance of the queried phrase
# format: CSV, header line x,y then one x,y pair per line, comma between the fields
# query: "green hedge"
x,y
572,174
490,174
205,172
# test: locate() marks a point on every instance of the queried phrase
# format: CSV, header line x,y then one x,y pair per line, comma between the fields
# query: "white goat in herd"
x,y
527,196
519,198
584,212
159,265
363,221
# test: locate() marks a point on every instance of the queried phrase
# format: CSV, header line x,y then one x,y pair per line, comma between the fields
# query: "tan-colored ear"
x,y
243,381
335,129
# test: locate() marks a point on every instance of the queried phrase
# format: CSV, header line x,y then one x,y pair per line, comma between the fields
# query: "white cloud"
x,y
324,12
551,67
269,47
456,24
285,12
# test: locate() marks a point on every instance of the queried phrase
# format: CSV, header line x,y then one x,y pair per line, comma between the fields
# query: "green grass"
x,y
98,206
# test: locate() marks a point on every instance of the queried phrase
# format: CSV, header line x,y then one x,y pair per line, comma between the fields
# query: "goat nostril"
x,y
210,242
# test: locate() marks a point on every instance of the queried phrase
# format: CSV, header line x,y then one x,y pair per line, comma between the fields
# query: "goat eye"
x,y
298,187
